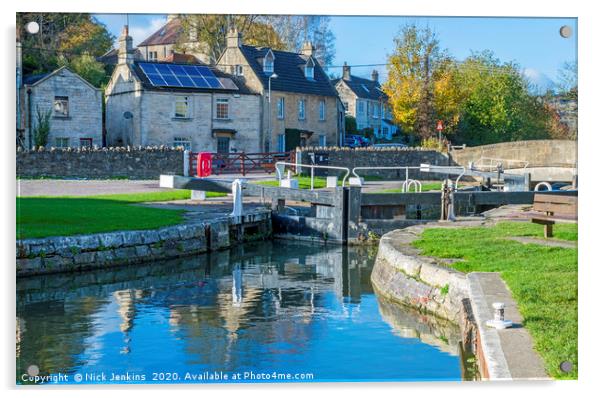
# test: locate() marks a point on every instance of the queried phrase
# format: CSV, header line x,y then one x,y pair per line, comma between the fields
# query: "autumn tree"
x,y
87,67
207,33
419,80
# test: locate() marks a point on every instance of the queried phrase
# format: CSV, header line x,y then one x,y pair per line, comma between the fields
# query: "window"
x,y
322,110
85,142
360,107
309,69
281,108
62,142
385,131
301,109
322,140
181,108
61,106
152,56
268,62
238,70
221,108
346,106
182,142
374,111
281,147
223,144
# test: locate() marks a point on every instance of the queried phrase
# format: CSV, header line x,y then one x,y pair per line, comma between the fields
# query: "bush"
x,y
350,125
40,134
434,143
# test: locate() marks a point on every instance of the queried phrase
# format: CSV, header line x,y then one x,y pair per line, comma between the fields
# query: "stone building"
x,y
160,46
139,111
366,102
73,104
299,106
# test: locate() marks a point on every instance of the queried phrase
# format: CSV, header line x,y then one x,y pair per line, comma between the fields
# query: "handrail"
x,y
491,160
312,167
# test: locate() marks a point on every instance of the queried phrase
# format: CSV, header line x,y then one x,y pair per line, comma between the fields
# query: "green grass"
x,y
427,186
304,182
39,216
543,280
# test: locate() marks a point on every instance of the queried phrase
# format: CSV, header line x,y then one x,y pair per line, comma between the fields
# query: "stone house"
x,y
160,46
298,104
141,110
366,102
75,108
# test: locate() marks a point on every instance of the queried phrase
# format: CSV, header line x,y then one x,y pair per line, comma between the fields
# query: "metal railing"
x,y
495,163
311,167
241,162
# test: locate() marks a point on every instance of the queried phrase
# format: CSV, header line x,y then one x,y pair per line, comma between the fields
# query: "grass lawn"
x,y
304,182
40,216
427,186
543,280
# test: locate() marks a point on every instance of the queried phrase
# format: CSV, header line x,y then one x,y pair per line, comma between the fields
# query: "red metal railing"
x,y
242,163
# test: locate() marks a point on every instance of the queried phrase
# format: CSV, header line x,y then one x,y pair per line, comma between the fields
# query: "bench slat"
x,y
561,199
555,208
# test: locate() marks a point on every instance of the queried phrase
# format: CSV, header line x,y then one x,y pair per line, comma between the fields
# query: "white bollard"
x,y
498,320
198,195
236,198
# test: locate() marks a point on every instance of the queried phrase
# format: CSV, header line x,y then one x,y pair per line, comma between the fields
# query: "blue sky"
x,y
534,43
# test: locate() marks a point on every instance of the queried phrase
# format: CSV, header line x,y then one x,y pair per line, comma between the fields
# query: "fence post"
x,y
242,163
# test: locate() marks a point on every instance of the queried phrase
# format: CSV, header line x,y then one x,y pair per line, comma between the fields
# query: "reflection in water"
x,y
265,307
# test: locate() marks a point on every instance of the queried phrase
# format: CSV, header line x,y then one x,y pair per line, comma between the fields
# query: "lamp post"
x,y
269,138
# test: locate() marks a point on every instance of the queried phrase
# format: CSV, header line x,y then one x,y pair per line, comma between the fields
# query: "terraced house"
x,y
191,105
299,106
366,102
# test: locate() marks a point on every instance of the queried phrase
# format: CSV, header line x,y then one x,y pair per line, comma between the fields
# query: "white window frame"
x,y
309,69
301,110
281,142
184,142
375,110
360,107
280,108
222,101
62,142
322,112
268,62
322,140
182,99
239,70
60,102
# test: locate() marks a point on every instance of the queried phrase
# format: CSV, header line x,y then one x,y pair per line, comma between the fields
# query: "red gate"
x,y
238,163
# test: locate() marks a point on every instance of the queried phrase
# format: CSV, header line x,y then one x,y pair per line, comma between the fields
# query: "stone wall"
x,y
375,157
538,153
75,253
132,163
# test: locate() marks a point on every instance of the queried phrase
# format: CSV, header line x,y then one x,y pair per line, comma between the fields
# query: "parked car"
x,y
351,142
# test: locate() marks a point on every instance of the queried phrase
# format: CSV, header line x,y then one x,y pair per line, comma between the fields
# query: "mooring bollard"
x,y
237,198
498,320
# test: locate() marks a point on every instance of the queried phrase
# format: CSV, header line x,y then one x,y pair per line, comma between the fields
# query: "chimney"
x,y
308,49
125,53
346,71
234,39
375,75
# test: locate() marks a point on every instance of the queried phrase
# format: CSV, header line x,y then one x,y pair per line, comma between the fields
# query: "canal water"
x,y
261,312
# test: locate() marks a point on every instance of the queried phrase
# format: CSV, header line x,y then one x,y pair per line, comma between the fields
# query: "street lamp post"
x,y
269,138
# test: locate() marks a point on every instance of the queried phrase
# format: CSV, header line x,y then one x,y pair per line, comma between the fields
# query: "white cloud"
x,y
141,32
540,81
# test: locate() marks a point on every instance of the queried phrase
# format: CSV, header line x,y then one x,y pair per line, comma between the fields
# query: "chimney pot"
x,y
346,72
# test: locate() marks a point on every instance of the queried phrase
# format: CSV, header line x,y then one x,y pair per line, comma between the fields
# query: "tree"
x,y
207,33
350,125
61,34
87,67
414,68
568,82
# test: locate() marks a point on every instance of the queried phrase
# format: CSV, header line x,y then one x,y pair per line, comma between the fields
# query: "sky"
x,y
534,43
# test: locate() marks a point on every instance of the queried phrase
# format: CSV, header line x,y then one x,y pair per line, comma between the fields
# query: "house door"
x,y
292,139
223,144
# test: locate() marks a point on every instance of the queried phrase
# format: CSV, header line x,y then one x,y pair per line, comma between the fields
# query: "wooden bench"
x,y
555,208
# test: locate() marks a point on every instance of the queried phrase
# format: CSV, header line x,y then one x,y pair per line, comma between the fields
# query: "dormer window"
x,y
309,69
268,62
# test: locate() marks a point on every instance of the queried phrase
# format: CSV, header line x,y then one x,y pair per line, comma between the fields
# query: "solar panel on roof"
x,y
189,76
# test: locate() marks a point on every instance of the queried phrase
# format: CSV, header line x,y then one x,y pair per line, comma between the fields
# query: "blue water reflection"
x,y
290,308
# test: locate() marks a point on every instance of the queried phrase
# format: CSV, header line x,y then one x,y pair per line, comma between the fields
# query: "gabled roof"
x,y
167,34
289,67
232,84
111,57
34,80
363,88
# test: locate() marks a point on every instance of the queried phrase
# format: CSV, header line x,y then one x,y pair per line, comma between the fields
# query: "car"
x,y
351,142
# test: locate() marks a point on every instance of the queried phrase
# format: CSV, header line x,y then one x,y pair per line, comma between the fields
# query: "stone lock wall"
x,y
375,157
133,163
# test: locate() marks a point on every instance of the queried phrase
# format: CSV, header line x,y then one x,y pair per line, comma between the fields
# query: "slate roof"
x,y
363,88
32,79
111,56
290,68
167,34
232,83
